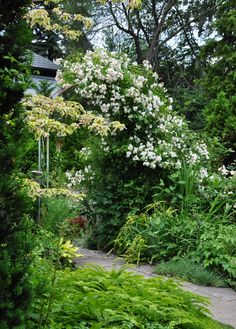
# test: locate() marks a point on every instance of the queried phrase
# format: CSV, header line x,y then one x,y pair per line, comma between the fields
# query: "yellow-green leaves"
x,y
33,190
130,3
135,3
99,124
46,115
61,23
68,250
38,17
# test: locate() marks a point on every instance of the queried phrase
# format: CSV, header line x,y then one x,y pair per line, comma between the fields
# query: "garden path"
x,y
223,300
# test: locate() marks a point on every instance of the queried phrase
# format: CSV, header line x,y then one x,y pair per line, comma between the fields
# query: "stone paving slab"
x,y
223,300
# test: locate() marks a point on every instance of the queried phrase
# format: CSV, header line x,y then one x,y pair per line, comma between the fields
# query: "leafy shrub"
x,y
169,235
16,240
217,248
95,298
15,258
181,188
160,236
189,270
55,212
212,194
219,80
217,197
55,249
122,168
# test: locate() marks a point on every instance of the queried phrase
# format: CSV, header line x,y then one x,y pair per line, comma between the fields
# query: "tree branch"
x,y
117,22
156,38
154,12
182,23
129,31
142,28
128,19
187,24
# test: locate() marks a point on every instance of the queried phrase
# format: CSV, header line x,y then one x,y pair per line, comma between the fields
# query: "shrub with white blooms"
x,y
112,86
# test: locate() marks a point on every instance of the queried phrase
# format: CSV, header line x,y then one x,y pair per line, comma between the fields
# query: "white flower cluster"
x,y
85,152
75,179
226,172
203,173
144,152
118,89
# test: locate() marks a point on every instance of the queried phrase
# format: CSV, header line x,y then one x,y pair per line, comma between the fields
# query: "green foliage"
x,y
202,225
162,235
180,188
16,240
56,211
190,270
122,168
190,102
217,199
219,80
55,22
15,258
112,208
55,248
95,298
213,196
83,43
217,248
44,87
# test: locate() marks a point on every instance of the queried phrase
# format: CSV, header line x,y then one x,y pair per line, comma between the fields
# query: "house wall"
x,y
36,79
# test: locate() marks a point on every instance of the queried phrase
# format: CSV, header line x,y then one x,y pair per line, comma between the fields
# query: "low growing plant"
x,y
162,235
95,298
188,269
217,248
55,211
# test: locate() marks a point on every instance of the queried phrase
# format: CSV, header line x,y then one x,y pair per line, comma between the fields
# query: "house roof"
x,y
41,62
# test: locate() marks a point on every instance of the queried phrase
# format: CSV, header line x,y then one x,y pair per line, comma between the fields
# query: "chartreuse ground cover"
x,y
92,297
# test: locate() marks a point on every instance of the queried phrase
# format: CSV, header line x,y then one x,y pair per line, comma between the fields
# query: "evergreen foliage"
x,y
220,81
15,228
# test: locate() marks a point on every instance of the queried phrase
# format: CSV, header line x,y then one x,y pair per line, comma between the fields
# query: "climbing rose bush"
x,y
112,86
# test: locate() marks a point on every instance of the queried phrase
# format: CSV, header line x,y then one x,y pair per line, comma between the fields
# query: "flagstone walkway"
x,y
223,300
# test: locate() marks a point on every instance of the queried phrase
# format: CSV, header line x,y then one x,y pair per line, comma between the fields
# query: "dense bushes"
x,y
219,79
199,225
15,228
166,234
155,162
122,169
